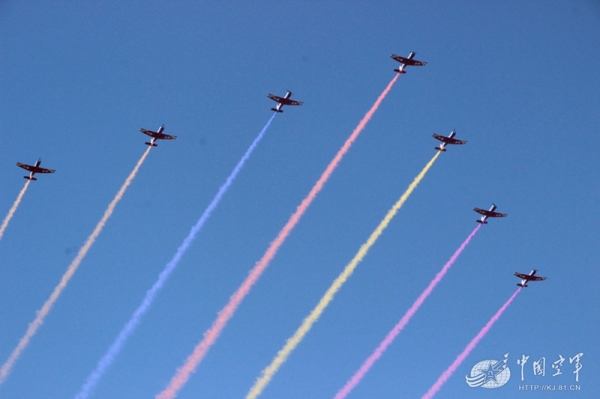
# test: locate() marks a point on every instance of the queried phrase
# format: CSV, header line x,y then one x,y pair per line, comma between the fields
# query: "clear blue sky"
x,y
518,80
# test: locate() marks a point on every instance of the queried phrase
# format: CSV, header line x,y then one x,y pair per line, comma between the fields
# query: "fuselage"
x,y
281,101
410,57
443,145
483,219
524,281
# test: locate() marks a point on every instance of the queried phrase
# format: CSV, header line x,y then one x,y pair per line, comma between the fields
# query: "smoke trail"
x,y
357,377
43,312
306,325
210,336
450,370
13,209
134,321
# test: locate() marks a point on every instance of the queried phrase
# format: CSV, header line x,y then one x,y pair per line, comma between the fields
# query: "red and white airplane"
x,y
528,277
488,214
447,140
407,61
283,101
159,135
34,169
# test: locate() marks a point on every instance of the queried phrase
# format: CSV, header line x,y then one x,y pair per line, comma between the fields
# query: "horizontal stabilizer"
x,y
150,144
276,110
440,149
399,71
522,285
30,178
479,221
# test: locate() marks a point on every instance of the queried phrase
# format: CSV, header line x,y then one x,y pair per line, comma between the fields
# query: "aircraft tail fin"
x,y
440,149
522,285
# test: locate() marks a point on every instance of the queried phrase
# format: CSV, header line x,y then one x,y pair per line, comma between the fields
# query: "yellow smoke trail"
x,y
13,209
268,373
43,312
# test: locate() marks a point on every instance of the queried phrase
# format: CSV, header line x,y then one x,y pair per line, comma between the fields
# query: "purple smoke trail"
x,y
450,370
366,366
132,324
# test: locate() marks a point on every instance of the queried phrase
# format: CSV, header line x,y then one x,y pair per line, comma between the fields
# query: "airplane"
x,y
528,277
34,169
447,140
488,214
283,101
407,61
159,135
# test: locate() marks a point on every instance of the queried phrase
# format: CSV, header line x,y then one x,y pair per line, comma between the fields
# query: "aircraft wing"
x,y
454,141
447,140
536,278
408,61
529,277
284,101
439,137
416,63
148,132
166,137
276,98
482,211
496,214
44,170
35,169
26,167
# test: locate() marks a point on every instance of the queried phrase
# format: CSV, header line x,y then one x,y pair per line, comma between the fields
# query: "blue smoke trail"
x,y
132,324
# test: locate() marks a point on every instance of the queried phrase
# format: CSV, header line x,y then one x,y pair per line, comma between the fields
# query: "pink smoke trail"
x,y
450,370
366,366
13,209
210,336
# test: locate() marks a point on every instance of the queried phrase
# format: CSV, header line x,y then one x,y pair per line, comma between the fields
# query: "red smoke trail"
x,y
210,336
364,369
450,370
